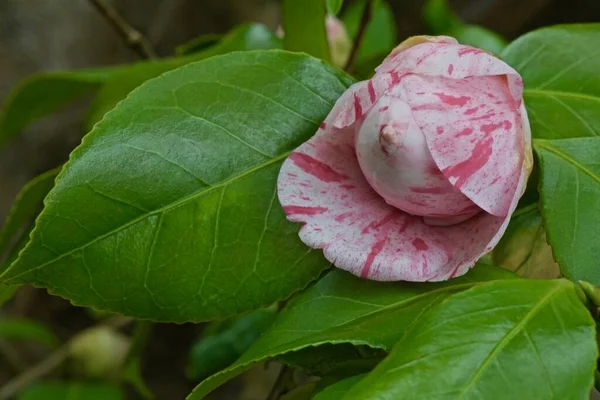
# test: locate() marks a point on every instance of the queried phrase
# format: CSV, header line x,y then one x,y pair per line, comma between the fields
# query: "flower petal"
x,y
473,129
356,102
322,186
451,60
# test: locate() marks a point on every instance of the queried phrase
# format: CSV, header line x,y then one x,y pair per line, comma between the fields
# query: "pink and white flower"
x,y
415,173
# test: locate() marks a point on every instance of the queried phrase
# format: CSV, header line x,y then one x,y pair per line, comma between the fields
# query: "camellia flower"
x,y
415,173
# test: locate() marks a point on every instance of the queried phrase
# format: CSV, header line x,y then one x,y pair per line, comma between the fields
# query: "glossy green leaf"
x,y
570,203
26,207
341,308
168,209
217,350
380,34
44,93
478,36
523,248
304,27
243,37
517,339
27,329
71,391
560,68
338,389
334,6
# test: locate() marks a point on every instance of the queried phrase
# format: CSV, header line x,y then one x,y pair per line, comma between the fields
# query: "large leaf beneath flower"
x,y
570,203
304,27
350,310
560,68
44,93
168,209
243,37
519,339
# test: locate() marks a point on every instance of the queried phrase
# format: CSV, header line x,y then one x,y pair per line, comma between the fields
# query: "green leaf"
x,y
380,34
243,37
168,210
478,36
560,68
27,329
441,20
304,27
220,349
334,359
133,369
341,308
26,207
197,44
337,390
44,93
133,375
6,292
570,203
334,6
71,391
19,224
522,339
523,248
439,17
303,392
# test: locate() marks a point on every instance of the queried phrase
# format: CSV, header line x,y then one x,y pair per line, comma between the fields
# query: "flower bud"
x,y
339,41
99,352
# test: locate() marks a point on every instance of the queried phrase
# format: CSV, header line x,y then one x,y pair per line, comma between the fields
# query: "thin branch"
x,y
34,373
131,36
282,383
364,22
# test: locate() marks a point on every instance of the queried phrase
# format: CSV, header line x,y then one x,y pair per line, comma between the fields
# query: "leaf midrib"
x,y
509,336
148,214
559,93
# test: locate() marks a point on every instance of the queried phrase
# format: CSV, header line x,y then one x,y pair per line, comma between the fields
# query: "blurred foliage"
x,y
222,342
441,20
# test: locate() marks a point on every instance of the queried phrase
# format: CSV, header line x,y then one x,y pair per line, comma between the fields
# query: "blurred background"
x,y
41,35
